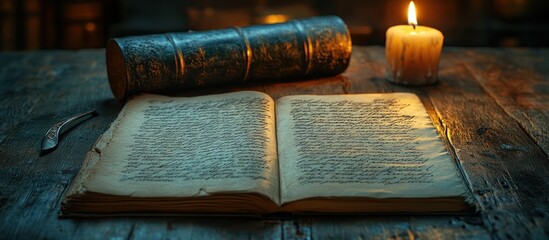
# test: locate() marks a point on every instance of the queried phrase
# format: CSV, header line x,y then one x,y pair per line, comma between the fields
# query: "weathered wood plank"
x,y
498,137
508,171
512,168
518,79
206,228
59,84
495,134
393,227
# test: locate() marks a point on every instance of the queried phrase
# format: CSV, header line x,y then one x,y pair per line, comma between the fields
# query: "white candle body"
x,y
412,54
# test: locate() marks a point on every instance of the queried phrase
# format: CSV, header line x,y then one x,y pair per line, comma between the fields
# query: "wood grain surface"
x,y
491,107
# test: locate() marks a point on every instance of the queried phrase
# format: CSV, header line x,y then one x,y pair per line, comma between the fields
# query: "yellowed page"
x,y
181,147
364,145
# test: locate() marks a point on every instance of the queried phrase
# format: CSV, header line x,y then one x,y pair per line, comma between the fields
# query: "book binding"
x,y
171,62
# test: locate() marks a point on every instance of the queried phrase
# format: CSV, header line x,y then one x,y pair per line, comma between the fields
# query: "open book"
x,y
243,153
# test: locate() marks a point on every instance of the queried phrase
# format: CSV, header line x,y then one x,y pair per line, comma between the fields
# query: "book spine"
x,y
174,62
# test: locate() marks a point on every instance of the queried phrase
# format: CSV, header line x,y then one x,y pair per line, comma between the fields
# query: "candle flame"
x,y
412,19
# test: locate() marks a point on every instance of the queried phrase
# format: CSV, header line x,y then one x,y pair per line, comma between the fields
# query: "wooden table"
x,y
491,107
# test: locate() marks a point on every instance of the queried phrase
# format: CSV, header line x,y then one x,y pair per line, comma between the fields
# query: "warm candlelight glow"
x,y
412,19
412,53
275,18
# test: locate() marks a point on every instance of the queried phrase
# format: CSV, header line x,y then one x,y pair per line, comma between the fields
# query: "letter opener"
x,y
51,139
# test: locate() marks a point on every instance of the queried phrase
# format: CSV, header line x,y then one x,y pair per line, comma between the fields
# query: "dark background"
x,y
74,24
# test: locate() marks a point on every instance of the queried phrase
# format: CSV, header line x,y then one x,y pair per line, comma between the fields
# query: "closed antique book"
x,y
171,62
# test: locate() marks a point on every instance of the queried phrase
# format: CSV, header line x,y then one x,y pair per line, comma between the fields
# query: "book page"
x,y
364,145
182,147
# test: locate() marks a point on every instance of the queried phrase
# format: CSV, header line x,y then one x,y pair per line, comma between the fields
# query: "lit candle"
x,y
412,52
